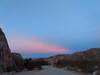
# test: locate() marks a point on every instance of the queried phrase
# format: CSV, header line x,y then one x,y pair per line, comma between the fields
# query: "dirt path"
x,y
49,70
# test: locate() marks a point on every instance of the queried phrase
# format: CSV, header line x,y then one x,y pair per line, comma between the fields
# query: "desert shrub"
x,y
31,65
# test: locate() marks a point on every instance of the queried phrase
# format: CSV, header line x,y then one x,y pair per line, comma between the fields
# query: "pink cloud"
x,y
34,45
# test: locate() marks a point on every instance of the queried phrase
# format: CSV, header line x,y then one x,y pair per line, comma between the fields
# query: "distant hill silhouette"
x,y
90,54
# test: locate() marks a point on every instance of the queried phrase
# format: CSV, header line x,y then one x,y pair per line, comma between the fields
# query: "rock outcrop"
x,y
5,53
19,62
9,61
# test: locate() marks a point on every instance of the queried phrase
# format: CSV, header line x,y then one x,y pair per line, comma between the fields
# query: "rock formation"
x,y
5,53
9,61
18,61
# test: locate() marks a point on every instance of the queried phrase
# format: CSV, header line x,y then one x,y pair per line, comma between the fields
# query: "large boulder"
x,y
19,61
5,53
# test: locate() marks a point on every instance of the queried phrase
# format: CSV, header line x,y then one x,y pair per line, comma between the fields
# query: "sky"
x,y
41,28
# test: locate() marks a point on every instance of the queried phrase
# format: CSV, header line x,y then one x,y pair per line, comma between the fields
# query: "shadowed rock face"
x,y
5,53
9,61
18,61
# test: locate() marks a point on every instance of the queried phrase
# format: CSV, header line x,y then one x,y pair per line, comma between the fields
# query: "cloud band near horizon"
x,y
34,45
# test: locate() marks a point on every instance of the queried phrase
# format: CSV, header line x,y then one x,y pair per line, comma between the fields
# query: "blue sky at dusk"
x,y
40,28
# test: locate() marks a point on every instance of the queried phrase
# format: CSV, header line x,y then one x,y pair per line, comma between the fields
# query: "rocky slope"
x,y
92,54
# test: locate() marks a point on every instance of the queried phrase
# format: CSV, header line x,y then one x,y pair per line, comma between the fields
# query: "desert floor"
x,y
49,70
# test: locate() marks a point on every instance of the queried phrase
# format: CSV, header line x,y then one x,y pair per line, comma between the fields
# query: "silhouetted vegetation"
x,y
31,65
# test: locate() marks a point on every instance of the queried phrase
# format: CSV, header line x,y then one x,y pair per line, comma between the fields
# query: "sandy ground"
x,y
49,70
